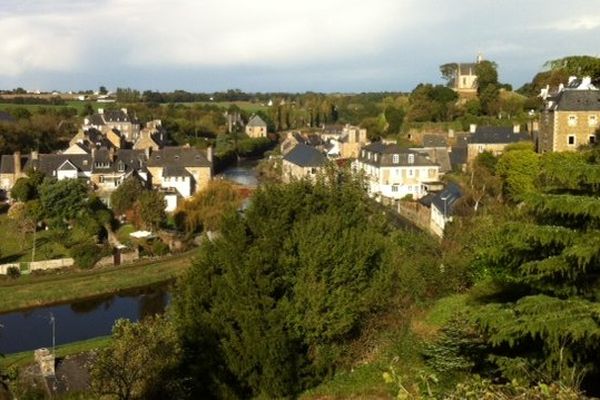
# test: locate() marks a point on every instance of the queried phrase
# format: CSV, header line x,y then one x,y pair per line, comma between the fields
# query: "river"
x,y
76,321
81,320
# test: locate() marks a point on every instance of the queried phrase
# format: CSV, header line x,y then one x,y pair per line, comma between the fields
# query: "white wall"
x,y
183,185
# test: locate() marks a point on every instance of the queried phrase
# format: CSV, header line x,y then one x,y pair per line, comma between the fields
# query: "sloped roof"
x,y
466,68
447,198
256,121
7,163
175,171
497,134
178,156
458,155
386,154
578,100
305,156
434,141
437,155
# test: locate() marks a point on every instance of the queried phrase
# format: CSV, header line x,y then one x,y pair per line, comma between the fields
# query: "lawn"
x,y
16,247
33,107
37,290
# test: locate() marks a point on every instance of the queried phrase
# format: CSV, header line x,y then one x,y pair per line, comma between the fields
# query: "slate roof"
x,y
447,198
175,171
257,121
497,134
305,156
466,68
386,154
434,141
578,100
438,155
48,163
458,155
7,165
178,156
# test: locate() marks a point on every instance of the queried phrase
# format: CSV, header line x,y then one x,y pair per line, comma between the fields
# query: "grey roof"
x,y
175,171
7,164
458,156
438,155
257,121
96,119
578,100
178,156
466,68
305,156
497,134
446,199
48,163
6,117
434,141
386,154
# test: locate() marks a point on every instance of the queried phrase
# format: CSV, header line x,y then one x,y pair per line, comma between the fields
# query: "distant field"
x,y
32,107
244,105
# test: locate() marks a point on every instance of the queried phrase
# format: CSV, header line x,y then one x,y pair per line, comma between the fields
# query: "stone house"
x,y
394,173
106,120
256,127
303,161
464,80
571,117
493,139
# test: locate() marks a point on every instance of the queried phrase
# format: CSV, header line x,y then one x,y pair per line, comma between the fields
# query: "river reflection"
x,y
31,329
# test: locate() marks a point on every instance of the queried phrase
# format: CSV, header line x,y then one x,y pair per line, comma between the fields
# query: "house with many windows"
x,y
571,117
493,139
394,173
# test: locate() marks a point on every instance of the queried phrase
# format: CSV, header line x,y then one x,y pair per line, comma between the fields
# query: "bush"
x,y
13,272
87,254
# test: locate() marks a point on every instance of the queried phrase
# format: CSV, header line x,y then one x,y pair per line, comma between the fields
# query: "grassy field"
x,y
37,290
21,359
32,107
15,247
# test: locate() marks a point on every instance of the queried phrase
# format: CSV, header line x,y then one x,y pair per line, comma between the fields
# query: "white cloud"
x,y
581,23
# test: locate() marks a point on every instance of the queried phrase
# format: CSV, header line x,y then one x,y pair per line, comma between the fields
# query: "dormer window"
x,y
411,158
396,158
375,156
369,155
572,120
363,154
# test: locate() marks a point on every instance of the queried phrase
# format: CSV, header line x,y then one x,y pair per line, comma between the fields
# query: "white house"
x,y
442,208
393,172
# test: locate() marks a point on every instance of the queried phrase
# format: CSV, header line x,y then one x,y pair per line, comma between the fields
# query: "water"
x,y
81,320
242,173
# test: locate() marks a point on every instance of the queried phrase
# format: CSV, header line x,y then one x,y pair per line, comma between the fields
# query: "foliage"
x,y
63,200
577,66
431,103
477,388
86,254
13,272
207,207
128,192
271,302
488,87
151,209
519,170
140,361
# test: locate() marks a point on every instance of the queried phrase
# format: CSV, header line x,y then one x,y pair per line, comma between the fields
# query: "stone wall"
x,y
416,213
39,265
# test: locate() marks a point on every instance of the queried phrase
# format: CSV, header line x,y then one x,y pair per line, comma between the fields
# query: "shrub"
x,y
13,272
86,254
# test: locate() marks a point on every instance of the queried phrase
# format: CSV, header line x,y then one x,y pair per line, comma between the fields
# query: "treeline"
x,y
52,101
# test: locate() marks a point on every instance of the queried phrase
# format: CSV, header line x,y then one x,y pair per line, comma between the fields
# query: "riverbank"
x,y
42,290
24,358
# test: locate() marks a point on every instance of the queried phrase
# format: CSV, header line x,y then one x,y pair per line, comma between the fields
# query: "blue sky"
x,y
281,45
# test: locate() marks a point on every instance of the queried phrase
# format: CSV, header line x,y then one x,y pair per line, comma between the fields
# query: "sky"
x,y
281,45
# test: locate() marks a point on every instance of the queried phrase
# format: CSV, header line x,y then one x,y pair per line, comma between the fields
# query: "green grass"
x,y
15,247
244,105
79,105
445,308
24,358
37,290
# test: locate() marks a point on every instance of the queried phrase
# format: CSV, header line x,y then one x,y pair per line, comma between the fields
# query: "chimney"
x,y
472,128
111,154
101,111
35,155
209,154
124,110
450,133
148,151
17,163
516,128
93,153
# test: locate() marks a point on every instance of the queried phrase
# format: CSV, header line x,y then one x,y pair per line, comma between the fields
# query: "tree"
x,y
449,73
125,196
539,313
151,207
271,302
207,207
519,168
140,361
22,190
577,66
63,200
102,90
488,87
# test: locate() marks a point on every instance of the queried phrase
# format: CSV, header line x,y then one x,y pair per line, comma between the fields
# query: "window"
x,y
411,158
571,140
409,188
101,179
396,159
375,156
592,139
410,172
363,154
394,188
369,155
572,120
592,120
480,148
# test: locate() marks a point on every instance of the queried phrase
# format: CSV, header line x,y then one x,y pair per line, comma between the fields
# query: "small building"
x,y
442,207
256,127
571,117
464,77
493,139
393,172
303,161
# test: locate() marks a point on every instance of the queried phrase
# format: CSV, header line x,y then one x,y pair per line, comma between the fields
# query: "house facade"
x,y
121,120
464,79
442,208
303,161
256,127
493,139
571,117
395,173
